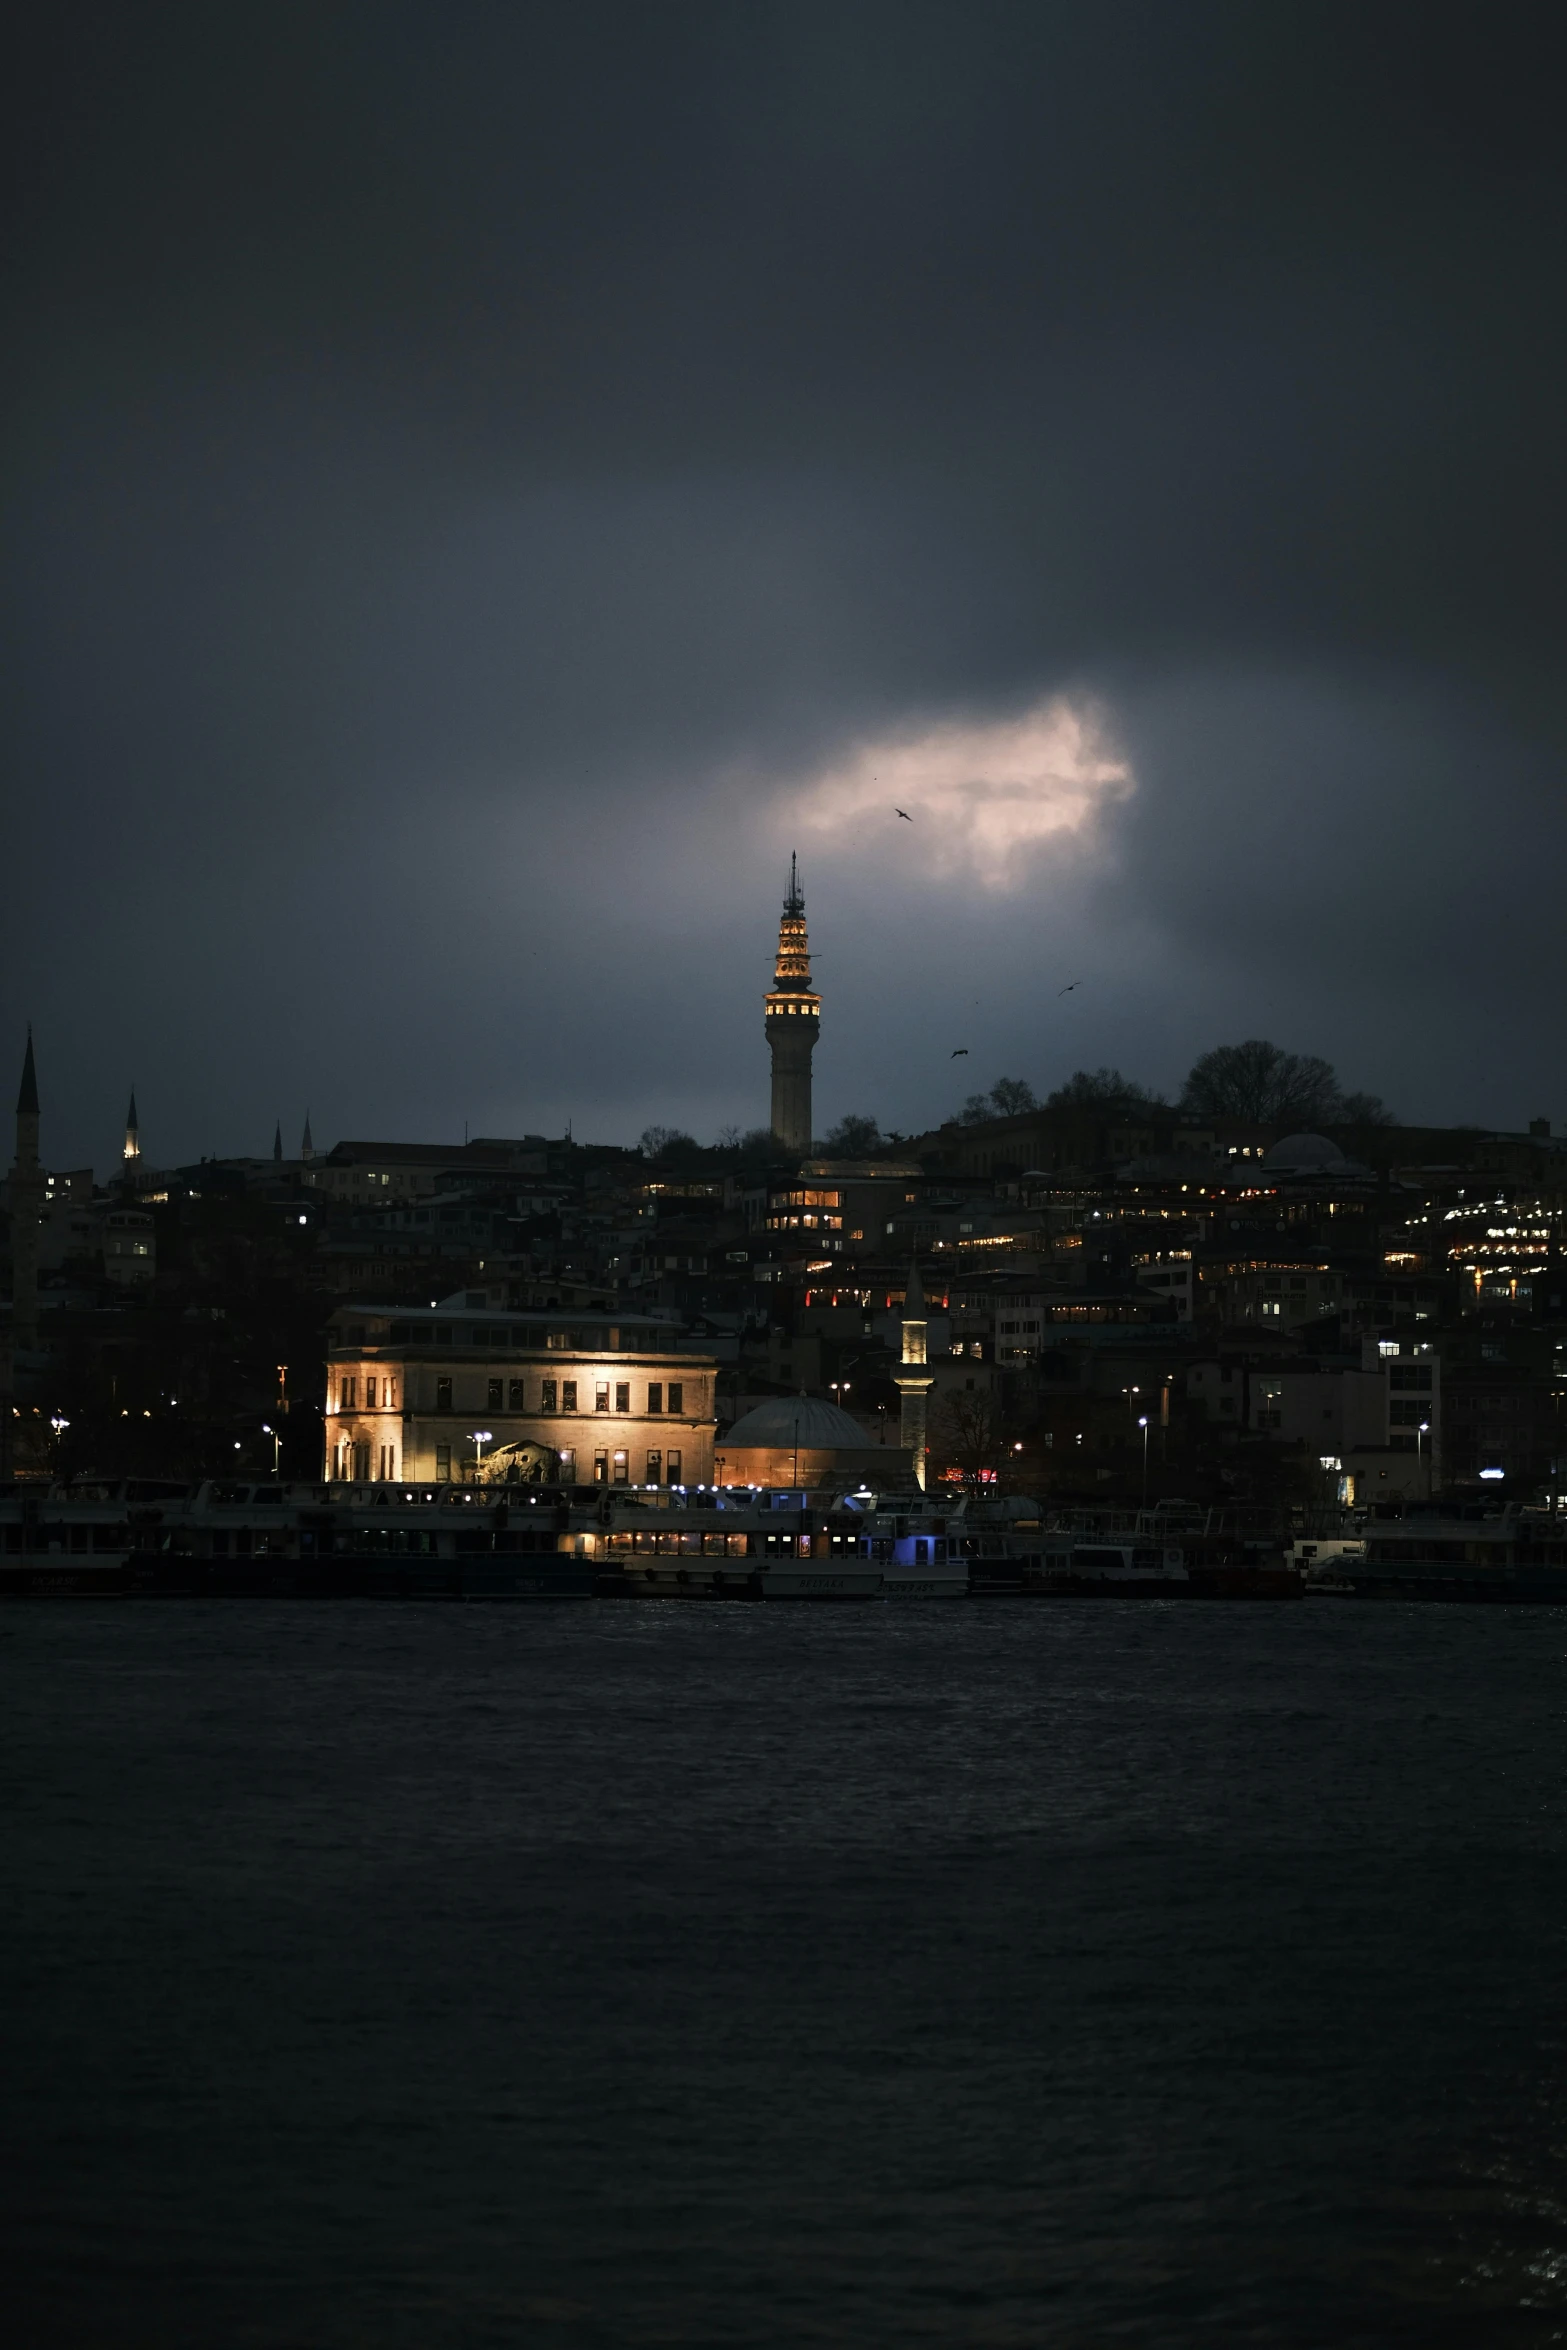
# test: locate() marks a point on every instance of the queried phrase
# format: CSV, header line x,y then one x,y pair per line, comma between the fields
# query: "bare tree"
x,y
968,1433
853,1138
1262,1082
656,1142
1102,1089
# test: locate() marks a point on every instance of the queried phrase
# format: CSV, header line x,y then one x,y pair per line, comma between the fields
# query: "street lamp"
x,y
277,1445
1143,1424
480,1437
1421,1446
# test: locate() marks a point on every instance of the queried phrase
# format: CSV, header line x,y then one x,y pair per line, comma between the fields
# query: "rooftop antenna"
x,y
794,903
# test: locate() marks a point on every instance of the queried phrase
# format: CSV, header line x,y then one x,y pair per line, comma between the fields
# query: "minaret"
x,y
131,1154
793,1023
914,1381
25,1190
307,1149
277,1145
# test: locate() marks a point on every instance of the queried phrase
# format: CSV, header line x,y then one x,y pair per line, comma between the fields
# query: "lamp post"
x,y
277,1445
1143,1424
1421,1446
480,1437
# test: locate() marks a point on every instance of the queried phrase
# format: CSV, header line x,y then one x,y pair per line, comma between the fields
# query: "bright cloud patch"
x,y
982,800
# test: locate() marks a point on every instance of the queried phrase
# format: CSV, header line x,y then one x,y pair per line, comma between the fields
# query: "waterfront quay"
x,y
215,1539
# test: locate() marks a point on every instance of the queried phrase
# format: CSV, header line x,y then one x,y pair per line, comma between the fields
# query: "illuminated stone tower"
x,y
131,1154
794,1022
914,1381
25,1193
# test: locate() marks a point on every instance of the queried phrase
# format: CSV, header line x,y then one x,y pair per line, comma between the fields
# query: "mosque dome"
x,y
805,1420
1304,1154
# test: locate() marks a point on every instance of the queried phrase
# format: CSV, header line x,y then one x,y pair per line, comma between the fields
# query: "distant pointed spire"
x,y
794,903
132,1151
914,1295
27,1099
277,1144
307,1149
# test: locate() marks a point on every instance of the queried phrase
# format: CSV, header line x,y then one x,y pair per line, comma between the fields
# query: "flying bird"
x,y
961,1054
1071,983
904,813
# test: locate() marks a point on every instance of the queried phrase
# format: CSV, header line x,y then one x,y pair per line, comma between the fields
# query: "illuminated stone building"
x,y
793,1023
426,1396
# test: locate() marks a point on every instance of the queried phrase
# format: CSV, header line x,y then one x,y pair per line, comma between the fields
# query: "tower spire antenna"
x,y
794,903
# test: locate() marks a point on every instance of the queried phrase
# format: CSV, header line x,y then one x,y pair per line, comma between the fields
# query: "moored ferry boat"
x,y
1103,1569
737,1543
1457,1554
219,1540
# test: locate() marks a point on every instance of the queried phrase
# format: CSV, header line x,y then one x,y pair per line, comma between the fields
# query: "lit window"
x,y
622,1468
601,1396
568,1395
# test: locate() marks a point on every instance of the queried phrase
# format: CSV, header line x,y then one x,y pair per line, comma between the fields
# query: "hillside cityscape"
x,y
1266,1291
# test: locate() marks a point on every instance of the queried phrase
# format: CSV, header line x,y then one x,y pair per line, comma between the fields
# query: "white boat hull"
x,y
803,1580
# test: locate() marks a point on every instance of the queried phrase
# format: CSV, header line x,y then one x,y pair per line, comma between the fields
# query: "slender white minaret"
x,y
914,1381
793,1023
307,1149
25,1194
131,1154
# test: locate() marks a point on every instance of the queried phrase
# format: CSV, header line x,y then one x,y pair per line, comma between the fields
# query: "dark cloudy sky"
x,y
484,482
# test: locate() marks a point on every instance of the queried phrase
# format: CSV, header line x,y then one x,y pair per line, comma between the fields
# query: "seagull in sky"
x,y
904,813
1071,983
961,1053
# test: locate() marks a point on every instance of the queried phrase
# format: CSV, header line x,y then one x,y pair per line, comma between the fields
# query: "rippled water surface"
x,y
617,1975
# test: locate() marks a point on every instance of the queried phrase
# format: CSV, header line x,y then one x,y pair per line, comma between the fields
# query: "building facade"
x,y
447,1394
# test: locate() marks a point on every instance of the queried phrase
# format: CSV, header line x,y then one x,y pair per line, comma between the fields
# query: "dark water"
x,y
988,1974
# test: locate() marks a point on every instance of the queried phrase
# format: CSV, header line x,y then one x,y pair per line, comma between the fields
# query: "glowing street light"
x,y
1143,1424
